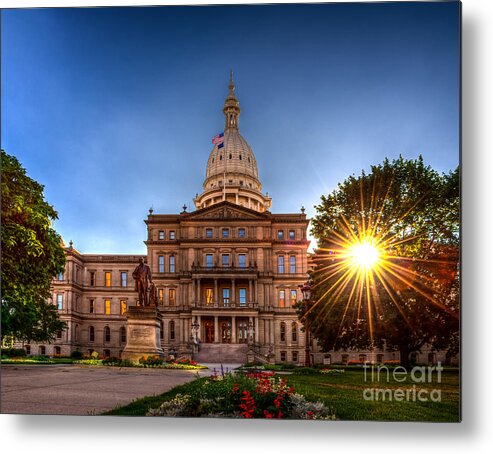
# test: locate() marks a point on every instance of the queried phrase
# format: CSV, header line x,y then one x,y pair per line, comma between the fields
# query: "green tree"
x,y
32,254
409,297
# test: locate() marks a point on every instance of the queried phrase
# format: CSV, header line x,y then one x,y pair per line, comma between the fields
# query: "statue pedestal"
x,y
143,333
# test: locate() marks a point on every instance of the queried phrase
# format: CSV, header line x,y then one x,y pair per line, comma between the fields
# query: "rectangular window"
x,y
107,279
160,262
172,235
209,260
280,264
225,297
243,297
91,306
225,260
171,330
59,334
208,296
241,233
123,278
294,297
172,296
171,263
60,276
282,302
161,296
292,264
208,233
123,307
291,237
242,261
107,307
59,302
161,235
295,357
283,356
92,278
225,233
280,234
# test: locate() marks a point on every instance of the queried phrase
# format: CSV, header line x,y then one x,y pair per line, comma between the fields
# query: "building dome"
x,y
232,172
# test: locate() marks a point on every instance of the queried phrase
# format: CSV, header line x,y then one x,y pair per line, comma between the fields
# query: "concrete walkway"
x,y
83,390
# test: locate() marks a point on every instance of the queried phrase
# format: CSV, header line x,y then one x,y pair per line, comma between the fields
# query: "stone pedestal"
x,y
143,333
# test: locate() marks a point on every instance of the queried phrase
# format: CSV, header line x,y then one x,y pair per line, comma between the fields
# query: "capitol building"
x,y
227,276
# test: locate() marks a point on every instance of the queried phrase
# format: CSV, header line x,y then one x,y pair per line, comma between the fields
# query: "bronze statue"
x,y
143,277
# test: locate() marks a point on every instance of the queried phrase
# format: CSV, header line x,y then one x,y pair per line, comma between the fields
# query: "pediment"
x,y
226,210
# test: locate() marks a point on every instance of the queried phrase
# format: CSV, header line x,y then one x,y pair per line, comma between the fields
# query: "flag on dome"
x,y
218,140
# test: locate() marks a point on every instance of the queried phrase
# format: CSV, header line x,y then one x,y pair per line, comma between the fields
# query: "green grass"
x,y
27,360
343,393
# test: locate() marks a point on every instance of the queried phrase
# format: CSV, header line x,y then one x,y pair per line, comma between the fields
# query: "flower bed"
x,y
253,395
153,361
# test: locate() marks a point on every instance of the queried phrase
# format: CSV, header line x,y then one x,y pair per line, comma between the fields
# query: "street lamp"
x,y
306,290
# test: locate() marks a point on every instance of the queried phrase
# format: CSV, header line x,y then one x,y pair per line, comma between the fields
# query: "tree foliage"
x,y
411,298
32,254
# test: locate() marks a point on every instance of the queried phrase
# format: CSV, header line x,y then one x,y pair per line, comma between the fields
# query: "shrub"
x,y
111,361
151,361
254,395
307,371
13,352
76,354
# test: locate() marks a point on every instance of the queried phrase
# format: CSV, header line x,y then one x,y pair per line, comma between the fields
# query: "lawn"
x,y
343,393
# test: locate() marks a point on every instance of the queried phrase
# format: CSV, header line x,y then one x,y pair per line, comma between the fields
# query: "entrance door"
x,y
226,332
242,335
209,332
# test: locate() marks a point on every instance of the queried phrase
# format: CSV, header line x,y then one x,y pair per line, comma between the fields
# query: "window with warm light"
x,y
294,297
282,296
209,296
172,296
161,296
123,307
107,279
107,307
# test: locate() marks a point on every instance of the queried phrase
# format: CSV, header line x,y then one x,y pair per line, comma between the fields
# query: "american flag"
x,y
219,139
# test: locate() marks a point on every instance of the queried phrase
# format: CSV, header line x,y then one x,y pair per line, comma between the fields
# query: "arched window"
x,y
171,330
91,334
294,332
107,334
123,335
283,332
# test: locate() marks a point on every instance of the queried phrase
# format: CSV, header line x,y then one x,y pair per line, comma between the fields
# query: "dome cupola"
x,y
232,172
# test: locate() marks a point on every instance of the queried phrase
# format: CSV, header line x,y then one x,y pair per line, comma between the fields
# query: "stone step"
x,y
222,353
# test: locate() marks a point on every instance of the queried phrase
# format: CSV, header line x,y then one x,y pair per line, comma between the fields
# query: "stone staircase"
x,y
222,353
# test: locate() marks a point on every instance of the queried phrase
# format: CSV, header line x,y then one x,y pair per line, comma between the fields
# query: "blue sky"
x,y
113,109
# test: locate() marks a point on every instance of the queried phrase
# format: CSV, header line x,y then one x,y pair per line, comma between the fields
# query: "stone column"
x,y
216,329
256,291
250,293
271,331
233,291
194,297
199,332
256,329
199,295
233,329
215,293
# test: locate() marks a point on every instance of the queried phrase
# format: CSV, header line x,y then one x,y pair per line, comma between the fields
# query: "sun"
x,y
364,254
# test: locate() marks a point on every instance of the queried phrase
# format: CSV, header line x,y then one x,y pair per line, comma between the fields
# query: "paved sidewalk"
x,y
82,390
